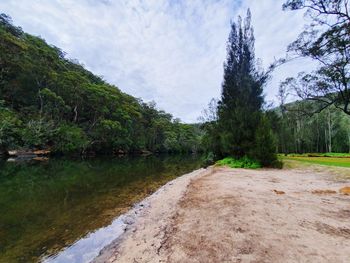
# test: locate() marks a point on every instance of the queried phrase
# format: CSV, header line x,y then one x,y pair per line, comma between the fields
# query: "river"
x,y
49,208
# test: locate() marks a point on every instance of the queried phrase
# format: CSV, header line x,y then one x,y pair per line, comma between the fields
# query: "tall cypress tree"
x,y
240,107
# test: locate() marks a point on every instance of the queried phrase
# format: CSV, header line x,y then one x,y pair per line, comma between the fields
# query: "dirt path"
x,y
226,215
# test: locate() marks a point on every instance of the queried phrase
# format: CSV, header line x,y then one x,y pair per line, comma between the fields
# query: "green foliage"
x,y
211,136
49,95
52,104
265,149
320,122
70,138
237,126
108,135
326,40
208,159
37,133
9,129
244,162
241,100
297,132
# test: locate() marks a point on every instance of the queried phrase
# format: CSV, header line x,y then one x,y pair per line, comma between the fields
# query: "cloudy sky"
x,y
169,51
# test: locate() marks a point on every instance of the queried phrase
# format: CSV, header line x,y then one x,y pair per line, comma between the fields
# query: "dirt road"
x,y
235,215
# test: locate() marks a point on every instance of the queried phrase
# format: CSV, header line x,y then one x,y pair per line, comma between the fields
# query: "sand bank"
x,y
235,215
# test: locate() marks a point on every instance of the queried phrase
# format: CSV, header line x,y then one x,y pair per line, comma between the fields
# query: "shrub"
x,y
243,162
208,159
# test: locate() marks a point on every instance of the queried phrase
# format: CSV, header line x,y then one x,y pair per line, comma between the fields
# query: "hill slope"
x,y
47,100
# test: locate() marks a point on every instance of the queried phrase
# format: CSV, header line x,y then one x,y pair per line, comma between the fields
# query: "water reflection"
x,y
87,248
47,206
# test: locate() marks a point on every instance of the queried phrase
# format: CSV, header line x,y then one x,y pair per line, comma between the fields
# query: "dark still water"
x,y
48,206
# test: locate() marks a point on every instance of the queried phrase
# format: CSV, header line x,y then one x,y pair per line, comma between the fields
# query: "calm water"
x,y
47,207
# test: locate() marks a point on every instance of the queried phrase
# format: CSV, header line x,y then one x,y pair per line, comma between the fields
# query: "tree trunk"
x,y
329,131
318,141
326,140
41,103
75,113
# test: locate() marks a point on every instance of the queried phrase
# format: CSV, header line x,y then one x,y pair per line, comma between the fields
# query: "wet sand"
x,y
236,215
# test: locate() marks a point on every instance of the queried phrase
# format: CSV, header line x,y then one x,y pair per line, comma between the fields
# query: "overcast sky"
x,y
169,51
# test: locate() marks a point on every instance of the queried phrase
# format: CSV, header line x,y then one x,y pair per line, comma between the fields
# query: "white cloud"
x,y
168,51
274,30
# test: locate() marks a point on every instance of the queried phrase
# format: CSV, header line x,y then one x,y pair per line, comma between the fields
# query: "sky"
x,y
168,51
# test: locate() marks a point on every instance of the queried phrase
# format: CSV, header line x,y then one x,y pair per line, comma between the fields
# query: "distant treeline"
x,y
297,131
49,101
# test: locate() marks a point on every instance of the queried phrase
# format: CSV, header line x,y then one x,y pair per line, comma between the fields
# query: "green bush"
x,y
9,129
243,162
70,139
208,159
37,133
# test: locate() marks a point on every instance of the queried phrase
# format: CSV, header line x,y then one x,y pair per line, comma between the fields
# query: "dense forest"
x,y
50,102
296,131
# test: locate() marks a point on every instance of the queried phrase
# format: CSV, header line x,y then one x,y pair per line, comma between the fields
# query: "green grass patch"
x,y
340,161
243,162
341,155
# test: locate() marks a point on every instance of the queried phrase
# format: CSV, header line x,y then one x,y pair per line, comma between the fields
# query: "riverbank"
x,y
235,215
152,215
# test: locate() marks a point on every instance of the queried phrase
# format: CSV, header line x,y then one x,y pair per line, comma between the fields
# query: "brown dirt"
x,y
237,215
345,190
324,192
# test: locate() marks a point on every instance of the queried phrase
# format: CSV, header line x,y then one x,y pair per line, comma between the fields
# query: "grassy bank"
x,y
329,159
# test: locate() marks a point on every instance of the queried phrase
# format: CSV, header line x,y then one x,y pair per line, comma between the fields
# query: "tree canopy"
x,y
327,41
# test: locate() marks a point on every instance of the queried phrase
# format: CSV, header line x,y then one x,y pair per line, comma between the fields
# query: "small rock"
x,y
129,220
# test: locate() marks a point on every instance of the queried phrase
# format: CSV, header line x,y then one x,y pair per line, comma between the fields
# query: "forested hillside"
x,y
49,101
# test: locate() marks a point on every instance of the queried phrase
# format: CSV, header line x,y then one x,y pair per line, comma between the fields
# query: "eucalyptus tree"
x,y
325,40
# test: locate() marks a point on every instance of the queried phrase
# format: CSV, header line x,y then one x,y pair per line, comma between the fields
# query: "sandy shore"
x,y
235,215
